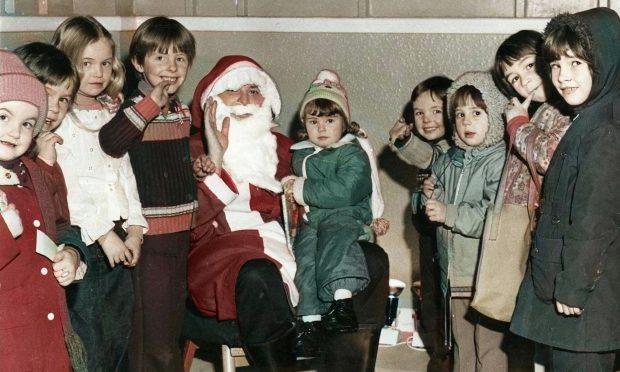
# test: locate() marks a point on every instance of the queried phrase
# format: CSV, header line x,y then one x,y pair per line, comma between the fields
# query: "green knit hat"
x,y
327,86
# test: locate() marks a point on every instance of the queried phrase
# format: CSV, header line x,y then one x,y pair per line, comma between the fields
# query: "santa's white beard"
x,y
251,154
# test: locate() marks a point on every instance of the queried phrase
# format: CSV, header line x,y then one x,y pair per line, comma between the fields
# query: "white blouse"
x,y
101,189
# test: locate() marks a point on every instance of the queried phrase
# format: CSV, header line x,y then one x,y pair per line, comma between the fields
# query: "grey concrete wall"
x,y
302,8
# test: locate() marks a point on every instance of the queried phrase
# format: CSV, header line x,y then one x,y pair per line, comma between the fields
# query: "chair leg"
x,y
228,362
188,355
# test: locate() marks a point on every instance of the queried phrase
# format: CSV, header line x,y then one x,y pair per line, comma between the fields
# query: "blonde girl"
x,y
102,197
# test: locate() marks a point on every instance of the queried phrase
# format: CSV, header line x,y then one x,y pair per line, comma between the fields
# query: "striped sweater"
x,y
158,146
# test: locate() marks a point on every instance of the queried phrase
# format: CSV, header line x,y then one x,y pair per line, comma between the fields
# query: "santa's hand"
x,y
46,144
217,140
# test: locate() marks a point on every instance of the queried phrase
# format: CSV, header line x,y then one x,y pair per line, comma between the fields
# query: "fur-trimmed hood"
x,y
599,31
494,99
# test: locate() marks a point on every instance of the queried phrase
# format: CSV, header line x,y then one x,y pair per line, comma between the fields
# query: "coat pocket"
x,y
546,264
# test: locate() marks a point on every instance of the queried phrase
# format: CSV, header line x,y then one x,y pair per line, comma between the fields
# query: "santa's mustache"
x,y
241,110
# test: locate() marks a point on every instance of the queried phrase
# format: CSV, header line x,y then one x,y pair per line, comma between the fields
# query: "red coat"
x,y
236,223
32,303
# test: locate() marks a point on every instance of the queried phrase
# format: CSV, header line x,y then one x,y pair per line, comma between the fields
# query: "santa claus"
x,y
240,266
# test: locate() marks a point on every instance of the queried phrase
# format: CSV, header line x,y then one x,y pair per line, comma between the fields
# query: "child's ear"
x,y
137,65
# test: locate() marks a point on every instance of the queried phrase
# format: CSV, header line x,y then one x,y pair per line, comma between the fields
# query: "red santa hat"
x,y
231,73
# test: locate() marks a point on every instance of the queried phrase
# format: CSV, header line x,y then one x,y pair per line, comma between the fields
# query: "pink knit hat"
x,y
17,83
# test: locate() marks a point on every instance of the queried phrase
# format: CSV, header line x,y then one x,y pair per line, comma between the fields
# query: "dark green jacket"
x,y
575,258
337,179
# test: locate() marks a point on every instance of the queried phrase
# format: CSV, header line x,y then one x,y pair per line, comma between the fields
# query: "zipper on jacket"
x,y
303,173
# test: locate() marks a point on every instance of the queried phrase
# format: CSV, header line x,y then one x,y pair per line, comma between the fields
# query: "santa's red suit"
x,y
239,213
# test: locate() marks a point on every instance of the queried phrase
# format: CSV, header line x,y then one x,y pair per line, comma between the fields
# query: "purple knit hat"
x,y
17,83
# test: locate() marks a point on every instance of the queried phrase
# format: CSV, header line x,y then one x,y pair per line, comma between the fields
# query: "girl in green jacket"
x,y
334,185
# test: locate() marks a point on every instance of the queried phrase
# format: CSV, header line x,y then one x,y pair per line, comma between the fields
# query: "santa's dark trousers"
x,y
263,311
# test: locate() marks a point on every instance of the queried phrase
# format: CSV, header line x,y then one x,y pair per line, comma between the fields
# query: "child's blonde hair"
x,y
75,34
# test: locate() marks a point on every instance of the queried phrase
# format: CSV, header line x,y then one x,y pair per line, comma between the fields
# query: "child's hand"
x,y
10,215
46,144
114,248
436,211
133,242
428,186
515,108
287,188
400,130
380,226
567,310
217,140
65,263
202,167
159,94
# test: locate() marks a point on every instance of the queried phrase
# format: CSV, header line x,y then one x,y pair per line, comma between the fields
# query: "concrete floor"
x,y
397,358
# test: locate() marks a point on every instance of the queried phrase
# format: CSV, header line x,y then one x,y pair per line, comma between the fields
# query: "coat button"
x,y
555,220
564,154
50,316
43,271
36,223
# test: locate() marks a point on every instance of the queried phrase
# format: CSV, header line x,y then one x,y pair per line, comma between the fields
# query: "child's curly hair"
x,y
325,107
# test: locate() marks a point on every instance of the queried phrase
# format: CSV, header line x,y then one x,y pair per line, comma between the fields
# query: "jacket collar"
x,y
345,140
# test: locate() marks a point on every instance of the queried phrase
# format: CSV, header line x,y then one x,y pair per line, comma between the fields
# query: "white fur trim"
x,y
327,75
377,203
221,190
240,74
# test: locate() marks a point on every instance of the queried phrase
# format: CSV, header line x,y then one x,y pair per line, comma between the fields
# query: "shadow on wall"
x,y
405,175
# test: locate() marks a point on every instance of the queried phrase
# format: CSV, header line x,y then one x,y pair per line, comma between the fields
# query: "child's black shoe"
x,y
309,339
340,318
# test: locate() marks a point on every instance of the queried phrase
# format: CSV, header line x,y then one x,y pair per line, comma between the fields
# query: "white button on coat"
x,y
43,271
36,223
50,316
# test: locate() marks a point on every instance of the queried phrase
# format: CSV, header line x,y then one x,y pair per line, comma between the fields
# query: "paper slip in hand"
x,y
46,246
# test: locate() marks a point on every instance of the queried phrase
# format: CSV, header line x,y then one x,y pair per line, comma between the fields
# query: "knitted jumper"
x,y
158,146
